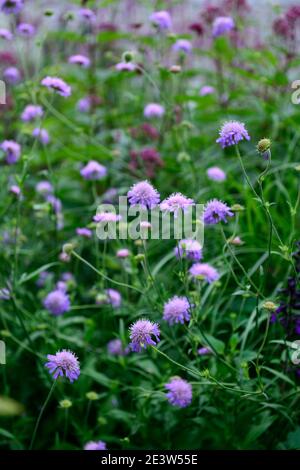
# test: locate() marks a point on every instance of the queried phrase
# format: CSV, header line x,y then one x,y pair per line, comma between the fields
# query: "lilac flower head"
x,y
113,297
63,363
204,271
57,302
182,45
25,29
11,6
231,133
5,34
55,203
84,104
205,351
142,333
81,60
216,211
84,232
31,112
44,187
93,171
153,110
42,278
58,85
15,190
12,75
12,151
177,310
175,203
99,445
179,392
161,19
115,348
87,14
125,67
207,90
106,217
143,194
4,293
123,253
222,25
216,174
189,249
42,135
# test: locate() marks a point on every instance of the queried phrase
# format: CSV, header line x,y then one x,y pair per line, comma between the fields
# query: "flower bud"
x,y
65,404
92,396
268,305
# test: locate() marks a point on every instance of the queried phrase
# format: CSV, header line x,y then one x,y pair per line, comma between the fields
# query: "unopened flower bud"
x,y
237,208
268,305
128,56
65,404
92,396
175,69
68,248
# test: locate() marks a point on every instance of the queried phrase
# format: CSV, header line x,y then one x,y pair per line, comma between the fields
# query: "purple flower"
x,y
12,151
44,188
141,333
11,6
222,25
99,445
161,19
31,112
106,217
81,60
93,171
87,14
25,29
125,67
42,278
231,133
84,104
113,297
216,211
216,174
123,253
204,271
42,135
15,190
177,310
207,90
143,194
12,75
5,34
57,302
55,203
179,392
189,249
175,203
58,85
153,110
204,351
115,348
4,293
63,363
84,232
182,45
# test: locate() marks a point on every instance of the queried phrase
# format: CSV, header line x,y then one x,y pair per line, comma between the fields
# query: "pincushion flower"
x,y
179,392
222,25
216,174
63,363
12,151
42,135
58,85
25,29
113,297
189,249
143,194
177,310
205,351
11,6
5,34
142,333
31,112
115,348
106,217
87,14
57,302
123,253
207,90
175,203
183,45
231,133
12,75
161,19
84,232
204,271
153,110
84,104
16,190
44,188
93,171
55,203
125,67
216,211
99,445
81,60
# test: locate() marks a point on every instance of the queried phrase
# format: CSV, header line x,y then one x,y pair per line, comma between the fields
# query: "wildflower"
x,y
12,151
263,147
84,104
222,25
106,217
143,194
189,249
216,174
25,29
270,306
197,28
81,60
11,6
92,396
153,110
179,392
182,45
43,277
93,171
113,297
31,112
204,271
84,232
5,34
125,67
231,133
44,188
175,69
142,333
4,293
15,190
57,302
175,203
115,348
63,363
236,241
65,404
87,14
58,85
42,135
207,90
204,351
12,75
55,203
100,445
177,310
161,19
123,253
216,211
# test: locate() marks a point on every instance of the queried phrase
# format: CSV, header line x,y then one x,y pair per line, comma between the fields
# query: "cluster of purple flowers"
x,y
177,310
179,392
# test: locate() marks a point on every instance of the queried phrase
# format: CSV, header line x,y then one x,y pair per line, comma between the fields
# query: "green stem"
x,y
41,414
